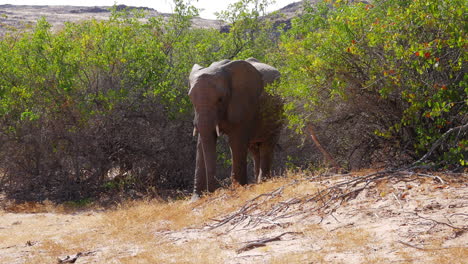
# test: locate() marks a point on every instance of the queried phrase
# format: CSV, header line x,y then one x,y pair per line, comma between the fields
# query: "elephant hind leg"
x,y
239,162
266,157
255,151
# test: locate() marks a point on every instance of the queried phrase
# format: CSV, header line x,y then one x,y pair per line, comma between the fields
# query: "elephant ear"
x,y
195,69
219,63
252,59
246,85
193,74
269,73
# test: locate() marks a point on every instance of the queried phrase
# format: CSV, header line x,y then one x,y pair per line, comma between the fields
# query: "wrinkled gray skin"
x,y
230,95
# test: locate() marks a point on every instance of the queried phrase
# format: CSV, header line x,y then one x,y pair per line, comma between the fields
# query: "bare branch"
x,y
262,242
459,129
325,153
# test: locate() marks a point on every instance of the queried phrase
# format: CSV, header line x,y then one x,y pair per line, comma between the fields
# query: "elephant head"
x,y
225,96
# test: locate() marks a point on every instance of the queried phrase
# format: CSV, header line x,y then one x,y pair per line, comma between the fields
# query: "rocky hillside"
x,y
23,15
20,15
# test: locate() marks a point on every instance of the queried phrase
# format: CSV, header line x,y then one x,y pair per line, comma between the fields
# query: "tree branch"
x,y
325,153
459,129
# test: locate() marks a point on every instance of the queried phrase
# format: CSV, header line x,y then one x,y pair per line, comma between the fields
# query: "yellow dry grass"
x,y
434,252
310,256
175,215
135,231
34,207
133,227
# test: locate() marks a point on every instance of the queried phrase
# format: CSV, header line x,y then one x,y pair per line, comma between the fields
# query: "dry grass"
x,y
180,214
195,251
134,228
456,255
153,231
435,252
353,239
34,207
44,237
314,232
347,240
299,257
333,247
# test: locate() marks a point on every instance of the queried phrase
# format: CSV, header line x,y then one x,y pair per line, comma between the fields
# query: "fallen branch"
x,y
435,177
262,242
8,247
73,258
249,207
268,208
425,249
413,246
442,223
342,226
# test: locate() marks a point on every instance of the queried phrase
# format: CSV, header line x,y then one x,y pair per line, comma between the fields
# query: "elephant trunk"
x,y
207,124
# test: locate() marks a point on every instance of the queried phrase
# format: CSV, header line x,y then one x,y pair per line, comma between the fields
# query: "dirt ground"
x,y
300,219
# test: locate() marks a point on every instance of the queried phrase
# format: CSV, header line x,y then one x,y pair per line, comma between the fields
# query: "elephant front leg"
x,y
239,162
199,184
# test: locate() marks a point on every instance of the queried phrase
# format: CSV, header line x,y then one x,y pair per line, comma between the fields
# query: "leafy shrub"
x,y
101,101
101,105
92,97
399,65
250,32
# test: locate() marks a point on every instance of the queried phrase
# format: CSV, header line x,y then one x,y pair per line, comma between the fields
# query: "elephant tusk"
x,y
195,131
217,131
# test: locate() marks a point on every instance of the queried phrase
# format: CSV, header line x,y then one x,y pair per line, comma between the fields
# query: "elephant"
x,y
229,98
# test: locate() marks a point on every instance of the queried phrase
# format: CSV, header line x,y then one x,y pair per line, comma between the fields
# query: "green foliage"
x,y
87,69
82,203
251,34
83,70
66,94
78,101
411,54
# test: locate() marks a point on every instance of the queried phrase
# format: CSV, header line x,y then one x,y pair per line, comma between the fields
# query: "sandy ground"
x,y
412,221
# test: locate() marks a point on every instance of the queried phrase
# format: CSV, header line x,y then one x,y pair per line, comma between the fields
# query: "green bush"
x,y
401,63
98,102
251,32
101,99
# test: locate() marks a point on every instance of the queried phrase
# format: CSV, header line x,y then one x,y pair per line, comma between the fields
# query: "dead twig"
x,y
249,207
435,177
262,242
413,246
73,258
459,214
442,223
398,200
268,208
342,226
8,247
425,249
